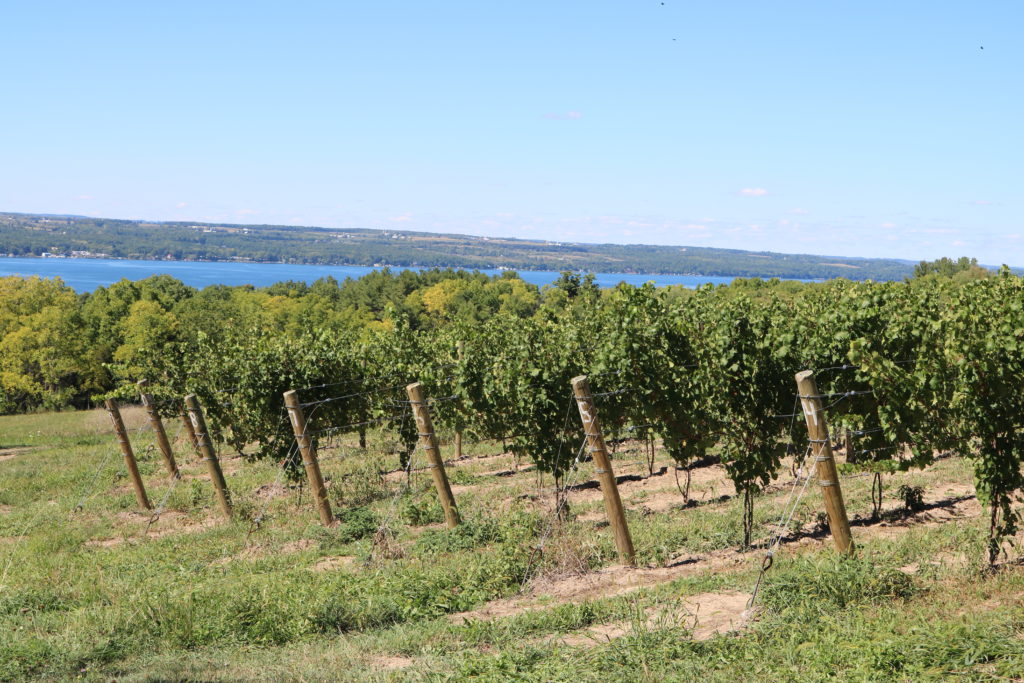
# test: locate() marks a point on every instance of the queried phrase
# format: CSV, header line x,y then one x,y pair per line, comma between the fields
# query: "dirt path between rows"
x,y
704,615
955,502
172,522
604,583
11,453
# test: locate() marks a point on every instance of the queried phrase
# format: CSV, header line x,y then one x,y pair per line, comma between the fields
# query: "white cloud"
x,y
888,225
84,196
404,218
247,212
753,192
799,212
181,205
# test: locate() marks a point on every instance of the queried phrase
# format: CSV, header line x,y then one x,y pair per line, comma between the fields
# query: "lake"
x,y
85,275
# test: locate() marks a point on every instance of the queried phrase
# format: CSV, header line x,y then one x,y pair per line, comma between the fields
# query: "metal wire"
x,y
163,502
91,486
348,396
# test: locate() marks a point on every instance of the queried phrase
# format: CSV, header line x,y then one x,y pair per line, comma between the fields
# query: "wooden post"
x,y
821,448
595,440
158,429
428,440
205,447
129,455
308,449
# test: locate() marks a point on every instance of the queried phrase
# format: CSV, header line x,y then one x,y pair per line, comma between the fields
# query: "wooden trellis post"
x,y
821,449
158,428
309,459
129,455
428,440
595,441
195,413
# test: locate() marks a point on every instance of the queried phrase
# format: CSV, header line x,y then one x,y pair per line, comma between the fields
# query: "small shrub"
x,y
244,508
198,494
566,554
422,510
468,535
354,523
385,545
458,475
913,497
362,485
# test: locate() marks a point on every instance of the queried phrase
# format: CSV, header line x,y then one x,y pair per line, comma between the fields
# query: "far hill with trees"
x,y
79,236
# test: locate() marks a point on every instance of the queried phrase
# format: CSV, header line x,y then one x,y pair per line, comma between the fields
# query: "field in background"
x,y
391,593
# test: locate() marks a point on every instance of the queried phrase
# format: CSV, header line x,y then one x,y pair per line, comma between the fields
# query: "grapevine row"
x,y
929,365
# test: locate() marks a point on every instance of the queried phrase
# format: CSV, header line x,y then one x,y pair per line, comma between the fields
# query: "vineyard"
x,y
909,371
509,494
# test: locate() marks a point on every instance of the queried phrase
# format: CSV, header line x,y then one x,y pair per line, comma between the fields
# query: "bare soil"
x,y
133,527
391,662
704,615
603,583
11,453
328,564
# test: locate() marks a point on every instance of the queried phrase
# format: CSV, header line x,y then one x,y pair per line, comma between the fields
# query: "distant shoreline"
x,y
33,235
393,266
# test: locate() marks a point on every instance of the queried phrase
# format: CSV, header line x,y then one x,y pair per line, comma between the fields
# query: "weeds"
x,y
912,496
196,602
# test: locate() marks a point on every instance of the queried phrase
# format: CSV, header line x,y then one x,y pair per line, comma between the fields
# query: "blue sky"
x,y
849,128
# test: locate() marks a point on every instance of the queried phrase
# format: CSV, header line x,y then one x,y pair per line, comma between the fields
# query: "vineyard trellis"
x,y
904,371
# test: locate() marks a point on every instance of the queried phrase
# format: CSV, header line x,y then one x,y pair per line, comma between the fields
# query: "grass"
x,y
91,595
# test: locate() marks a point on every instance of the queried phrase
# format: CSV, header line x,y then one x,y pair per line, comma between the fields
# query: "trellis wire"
x,y
257,521
788,512
343,397
155,517
86,495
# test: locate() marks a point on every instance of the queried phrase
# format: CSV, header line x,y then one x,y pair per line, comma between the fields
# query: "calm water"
x,y
85,275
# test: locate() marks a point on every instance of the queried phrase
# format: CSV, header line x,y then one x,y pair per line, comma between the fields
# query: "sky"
x,y
868,128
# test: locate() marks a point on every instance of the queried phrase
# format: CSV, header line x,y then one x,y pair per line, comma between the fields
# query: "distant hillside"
x,y
37,234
